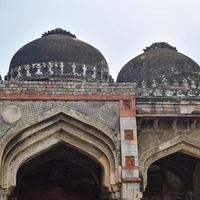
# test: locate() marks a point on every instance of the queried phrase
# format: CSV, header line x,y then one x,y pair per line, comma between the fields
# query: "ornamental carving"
x,y
59,71
164,87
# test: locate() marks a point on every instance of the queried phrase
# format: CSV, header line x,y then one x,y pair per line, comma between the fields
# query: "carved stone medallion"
x,y
11,114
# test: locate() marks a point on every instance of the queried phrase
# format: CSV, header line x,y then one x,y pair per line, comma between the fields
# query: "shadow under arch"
x,y
61,171
196,180
61,125
182,144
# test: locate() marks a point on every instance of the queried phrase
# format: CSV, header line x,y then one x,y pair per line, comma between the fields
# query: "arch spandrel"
x,y
35,119
54,124
182,144
42,132
38,118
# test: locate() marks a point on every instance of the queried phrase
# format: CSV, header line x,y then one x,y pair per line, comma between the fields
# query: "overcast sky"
x,y
120,29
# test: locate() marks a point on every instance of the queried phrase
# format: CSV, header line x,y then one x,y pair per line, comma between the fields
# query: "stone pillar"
x,y
190,194
3,194
116,195
129,151
105,194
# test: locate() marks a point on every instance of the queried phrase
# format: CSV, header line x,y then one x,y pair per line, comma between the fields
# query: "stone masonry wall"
x,y
65,88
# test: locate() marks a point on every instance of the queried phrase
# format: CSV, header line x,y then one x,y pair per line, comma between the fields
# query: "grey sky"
x,y
120,29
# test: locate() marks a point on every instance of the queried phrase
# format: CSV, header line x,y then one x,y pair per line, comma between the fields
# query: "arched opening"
x,y
172,178
25,146
58,174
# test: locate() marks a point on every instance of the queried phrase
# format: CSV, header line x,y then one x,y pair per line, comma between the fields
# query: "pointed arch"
x,y
61,125
182,144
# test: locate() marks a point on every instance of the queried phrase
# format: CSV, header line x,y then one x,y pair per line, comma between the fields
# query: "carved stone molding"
x,y
59,71
169,124
162,87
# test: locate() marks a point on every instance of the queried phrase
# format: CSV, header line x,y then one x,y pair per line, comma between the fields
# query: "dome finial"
x,y
160,45
58,31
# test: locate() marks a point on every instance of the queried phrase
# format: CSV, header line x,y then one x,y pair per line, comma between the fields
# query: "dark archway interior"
x,y
61,173
172,178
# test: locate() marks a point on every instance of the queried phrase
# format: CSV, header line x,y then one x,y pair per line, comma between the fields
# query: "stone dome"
x,y
58,55
160,64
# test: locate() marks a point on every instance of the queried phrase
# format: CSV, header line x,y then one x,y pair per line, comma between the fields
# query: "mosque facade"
x,y
68,131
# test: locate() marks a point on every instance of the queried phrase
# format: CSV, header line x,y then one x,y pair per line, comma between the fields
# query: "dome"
x,y
58,55
160,64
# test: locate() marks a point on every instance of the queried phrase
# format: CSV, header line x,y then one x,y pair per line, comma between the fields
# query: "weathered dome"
x,y
160,64
58,55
